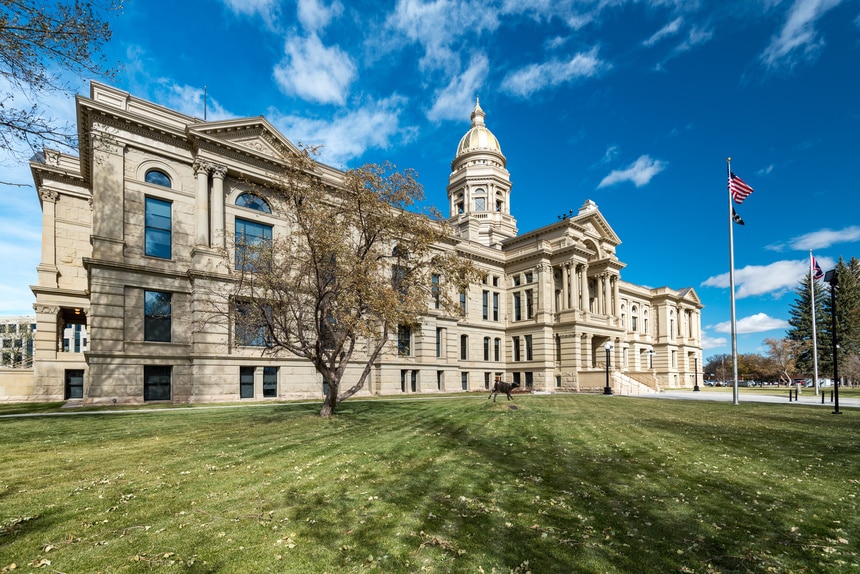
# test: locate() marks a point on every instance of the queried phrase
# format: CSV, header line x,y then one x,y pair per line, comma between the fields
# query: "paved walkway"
x,y
807,397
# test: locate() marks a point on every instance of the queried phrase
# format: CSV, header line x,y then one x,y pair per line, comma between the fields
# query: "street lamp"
x,y
830,277
695,374
651,358
607,390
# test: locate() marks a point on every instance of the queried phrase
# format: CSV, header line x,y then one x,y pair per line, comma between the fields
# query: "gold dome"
x,y
478,138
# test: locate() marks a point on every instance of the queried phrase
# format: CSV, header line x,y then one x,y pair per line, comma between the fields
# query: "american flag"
x,y
738,188
817,273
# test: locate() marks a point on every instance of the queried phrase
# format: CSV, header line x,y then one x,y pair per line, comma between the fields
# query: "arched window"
x,y
634,318
253,202
157,177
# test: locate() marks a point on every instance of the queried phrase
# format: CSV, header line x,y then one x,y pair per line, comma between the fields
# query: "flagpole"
x,y
732,288
812,282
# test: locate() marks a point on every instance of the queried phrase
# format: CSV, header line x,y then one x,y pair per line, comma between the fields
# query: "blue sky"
x,y
634,104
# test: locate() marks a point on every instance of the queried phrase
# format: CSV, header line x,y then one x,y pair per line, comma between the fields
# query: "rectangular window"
x,y
497,349
435,291
157,228
485,302
404,341
403,375
516,280
270,382
495,306
414,381
250,237
487,377
517,378
518,307
486,348
251,330
530,303
464,347
156,316
516,341
528,347
156,383
463,302
246,382
438,341
74,384
529,379
464,381
440,380
495,280
529,277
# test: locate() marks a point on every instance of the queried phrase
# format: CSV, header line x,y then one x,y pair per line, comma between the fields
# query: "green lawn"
x,y
561,484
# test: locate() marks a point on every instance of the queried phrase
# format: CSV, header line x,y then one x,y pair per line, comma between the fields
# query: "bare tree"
x,y
40,41
356,270
783,353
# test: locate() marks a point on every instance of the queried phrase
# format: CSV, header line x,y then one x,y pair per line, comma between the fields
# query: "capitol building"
x,y
133,229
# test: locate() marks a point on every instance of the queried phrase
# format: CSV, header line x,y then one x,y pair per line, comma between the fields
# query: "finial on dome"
x,y
478,114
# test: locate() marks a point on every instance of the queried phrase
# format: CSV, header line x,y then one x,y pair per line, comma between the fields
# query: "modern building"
x,y
16,341
135,228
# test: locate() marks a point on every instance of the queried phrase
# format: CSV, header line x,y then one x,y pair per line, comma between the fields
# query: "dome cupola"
x,y
479,137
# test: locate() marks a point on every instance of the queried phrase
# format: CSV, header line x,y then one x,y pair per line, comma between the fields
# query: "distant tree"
x,y
782,353
800,330
40,40
720,366
356,271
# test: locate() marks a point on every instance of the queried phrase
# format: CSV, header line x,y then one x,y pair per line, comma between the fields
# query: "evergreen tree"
x,y
847,312
800,333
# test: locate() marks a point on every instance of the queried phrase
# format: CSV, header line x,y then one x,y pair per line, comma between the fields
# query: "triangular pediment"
x,y
592,222
255,136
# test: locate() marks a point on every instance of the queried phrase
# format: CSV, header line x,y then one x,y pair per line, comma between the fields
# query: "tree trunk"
x,y
330,403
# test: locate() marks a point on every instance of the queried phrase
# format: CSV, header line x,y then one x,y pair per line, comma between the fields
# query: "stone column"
x,y
47,269
565,290
201,207
218,173
616,300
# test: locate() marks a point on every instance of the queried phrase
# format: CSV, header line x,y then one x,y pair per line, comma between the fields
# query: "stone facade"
x,y
145,215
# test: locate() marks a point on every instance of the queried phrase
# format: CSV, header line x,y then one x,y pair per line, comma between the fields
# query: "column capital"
x,y
201,167
218,170
49,195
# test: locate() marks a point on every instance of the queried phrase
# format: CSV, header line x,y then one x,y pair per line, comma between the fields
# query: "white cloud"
x,y
315,16
315,72
669,29
349,135
758,323
439,27
825,238
536,77
709,342
798,39
265,8
639,172
459,95
777,278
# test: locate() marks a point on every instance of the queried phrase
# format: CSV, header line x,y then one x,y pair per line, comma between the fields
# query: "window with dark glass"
x,y
404,340
486,348
156,383
250,236
246,382
439,334
495,306
516,341
251,201
529,303
518,307
463,301
464,347
528,347
485,302
270,382
464,381
497,349
435,290
157,177
250,327
158,228
157,316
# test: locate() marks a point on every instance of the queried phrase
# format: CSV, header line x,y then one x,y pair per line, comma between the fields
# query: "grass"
x,y
561,484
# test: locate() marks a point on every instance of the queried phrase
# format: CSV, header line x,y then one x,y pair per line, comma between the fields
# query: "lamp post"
x,y
651,358
830,277
607,390
696,374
